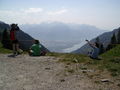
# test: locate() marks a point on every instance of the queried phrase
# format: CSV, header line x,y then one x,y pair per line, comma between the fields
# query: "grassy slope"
x,y
110,60
115,52
3,50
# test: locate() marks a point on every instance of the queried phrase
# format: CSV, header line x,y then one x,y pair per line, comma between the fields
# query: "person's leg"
x,y
30,52
13,47
43,53
17,48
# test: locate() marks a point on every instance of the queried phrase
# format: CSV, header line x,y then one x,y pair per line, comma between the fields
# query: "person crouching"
x,y
35,49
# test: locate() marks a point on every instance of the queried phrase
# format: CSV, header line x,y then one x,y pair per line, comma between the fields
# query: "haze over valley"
x,y
62,25
62,37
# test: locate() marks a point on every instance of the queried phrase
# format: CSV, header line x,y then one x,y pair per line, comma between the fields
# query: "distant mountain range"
x,y
104,39
57,37
25,40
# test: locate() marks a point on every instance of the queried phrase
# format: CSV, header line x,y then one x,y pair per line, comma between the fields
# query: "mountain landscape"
x,y
62,37
25,40
104,38
79,45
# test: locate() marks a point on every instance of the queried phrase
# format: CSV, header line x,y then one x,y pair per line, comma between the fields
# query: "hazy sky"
x,y
104,14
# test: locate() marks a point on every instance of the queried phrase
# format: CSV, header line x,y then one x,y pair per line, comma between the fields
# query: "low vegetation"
x,y
109,60
3,50
112,60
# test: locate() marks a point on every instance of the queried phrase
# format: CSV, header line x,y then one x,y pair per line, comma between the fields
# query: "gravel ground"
x,y
44,73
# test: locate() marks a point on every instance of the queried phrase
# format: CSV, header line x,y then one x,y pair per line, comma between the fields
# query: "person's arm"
x,y
15,34
40,46
32,47
91,44
16,27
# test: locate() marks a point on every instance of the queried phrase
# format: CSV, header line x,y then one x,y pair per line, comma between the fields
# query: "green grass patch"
x,y
115,52
67,57
3,50
110,60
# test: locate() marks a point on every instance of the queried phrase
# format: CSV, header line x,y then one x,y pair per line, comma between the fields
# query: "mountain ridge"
x,y
58,36
25,40
104,39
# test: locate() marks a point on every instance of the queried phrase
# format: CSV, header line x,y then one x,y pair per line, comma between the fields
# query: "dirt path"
x,y
42,73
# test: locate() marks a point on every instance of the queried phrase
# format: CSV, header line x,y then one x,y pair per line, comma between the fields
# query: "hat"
x,y
12,24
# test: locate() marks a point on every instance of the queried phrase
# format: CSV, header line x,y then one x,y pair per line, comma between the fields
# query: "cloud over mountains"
x,y
33,15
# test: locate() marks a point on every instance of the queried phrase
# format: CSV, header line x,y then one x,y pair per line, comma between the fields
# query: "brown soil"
x,y
46,73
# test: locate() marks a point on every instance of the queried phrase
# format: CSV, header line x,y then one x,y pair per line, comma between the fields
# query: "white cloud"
x,y
59,12
33,15
33,10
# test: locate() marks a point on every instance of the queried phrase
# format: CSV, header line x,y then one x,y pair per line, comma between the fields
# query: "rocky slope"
x,y
104,39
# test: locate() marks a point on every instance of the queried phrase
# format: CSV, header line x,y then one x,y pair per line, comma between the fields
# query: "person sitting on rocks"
x,y
36,49
95,52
